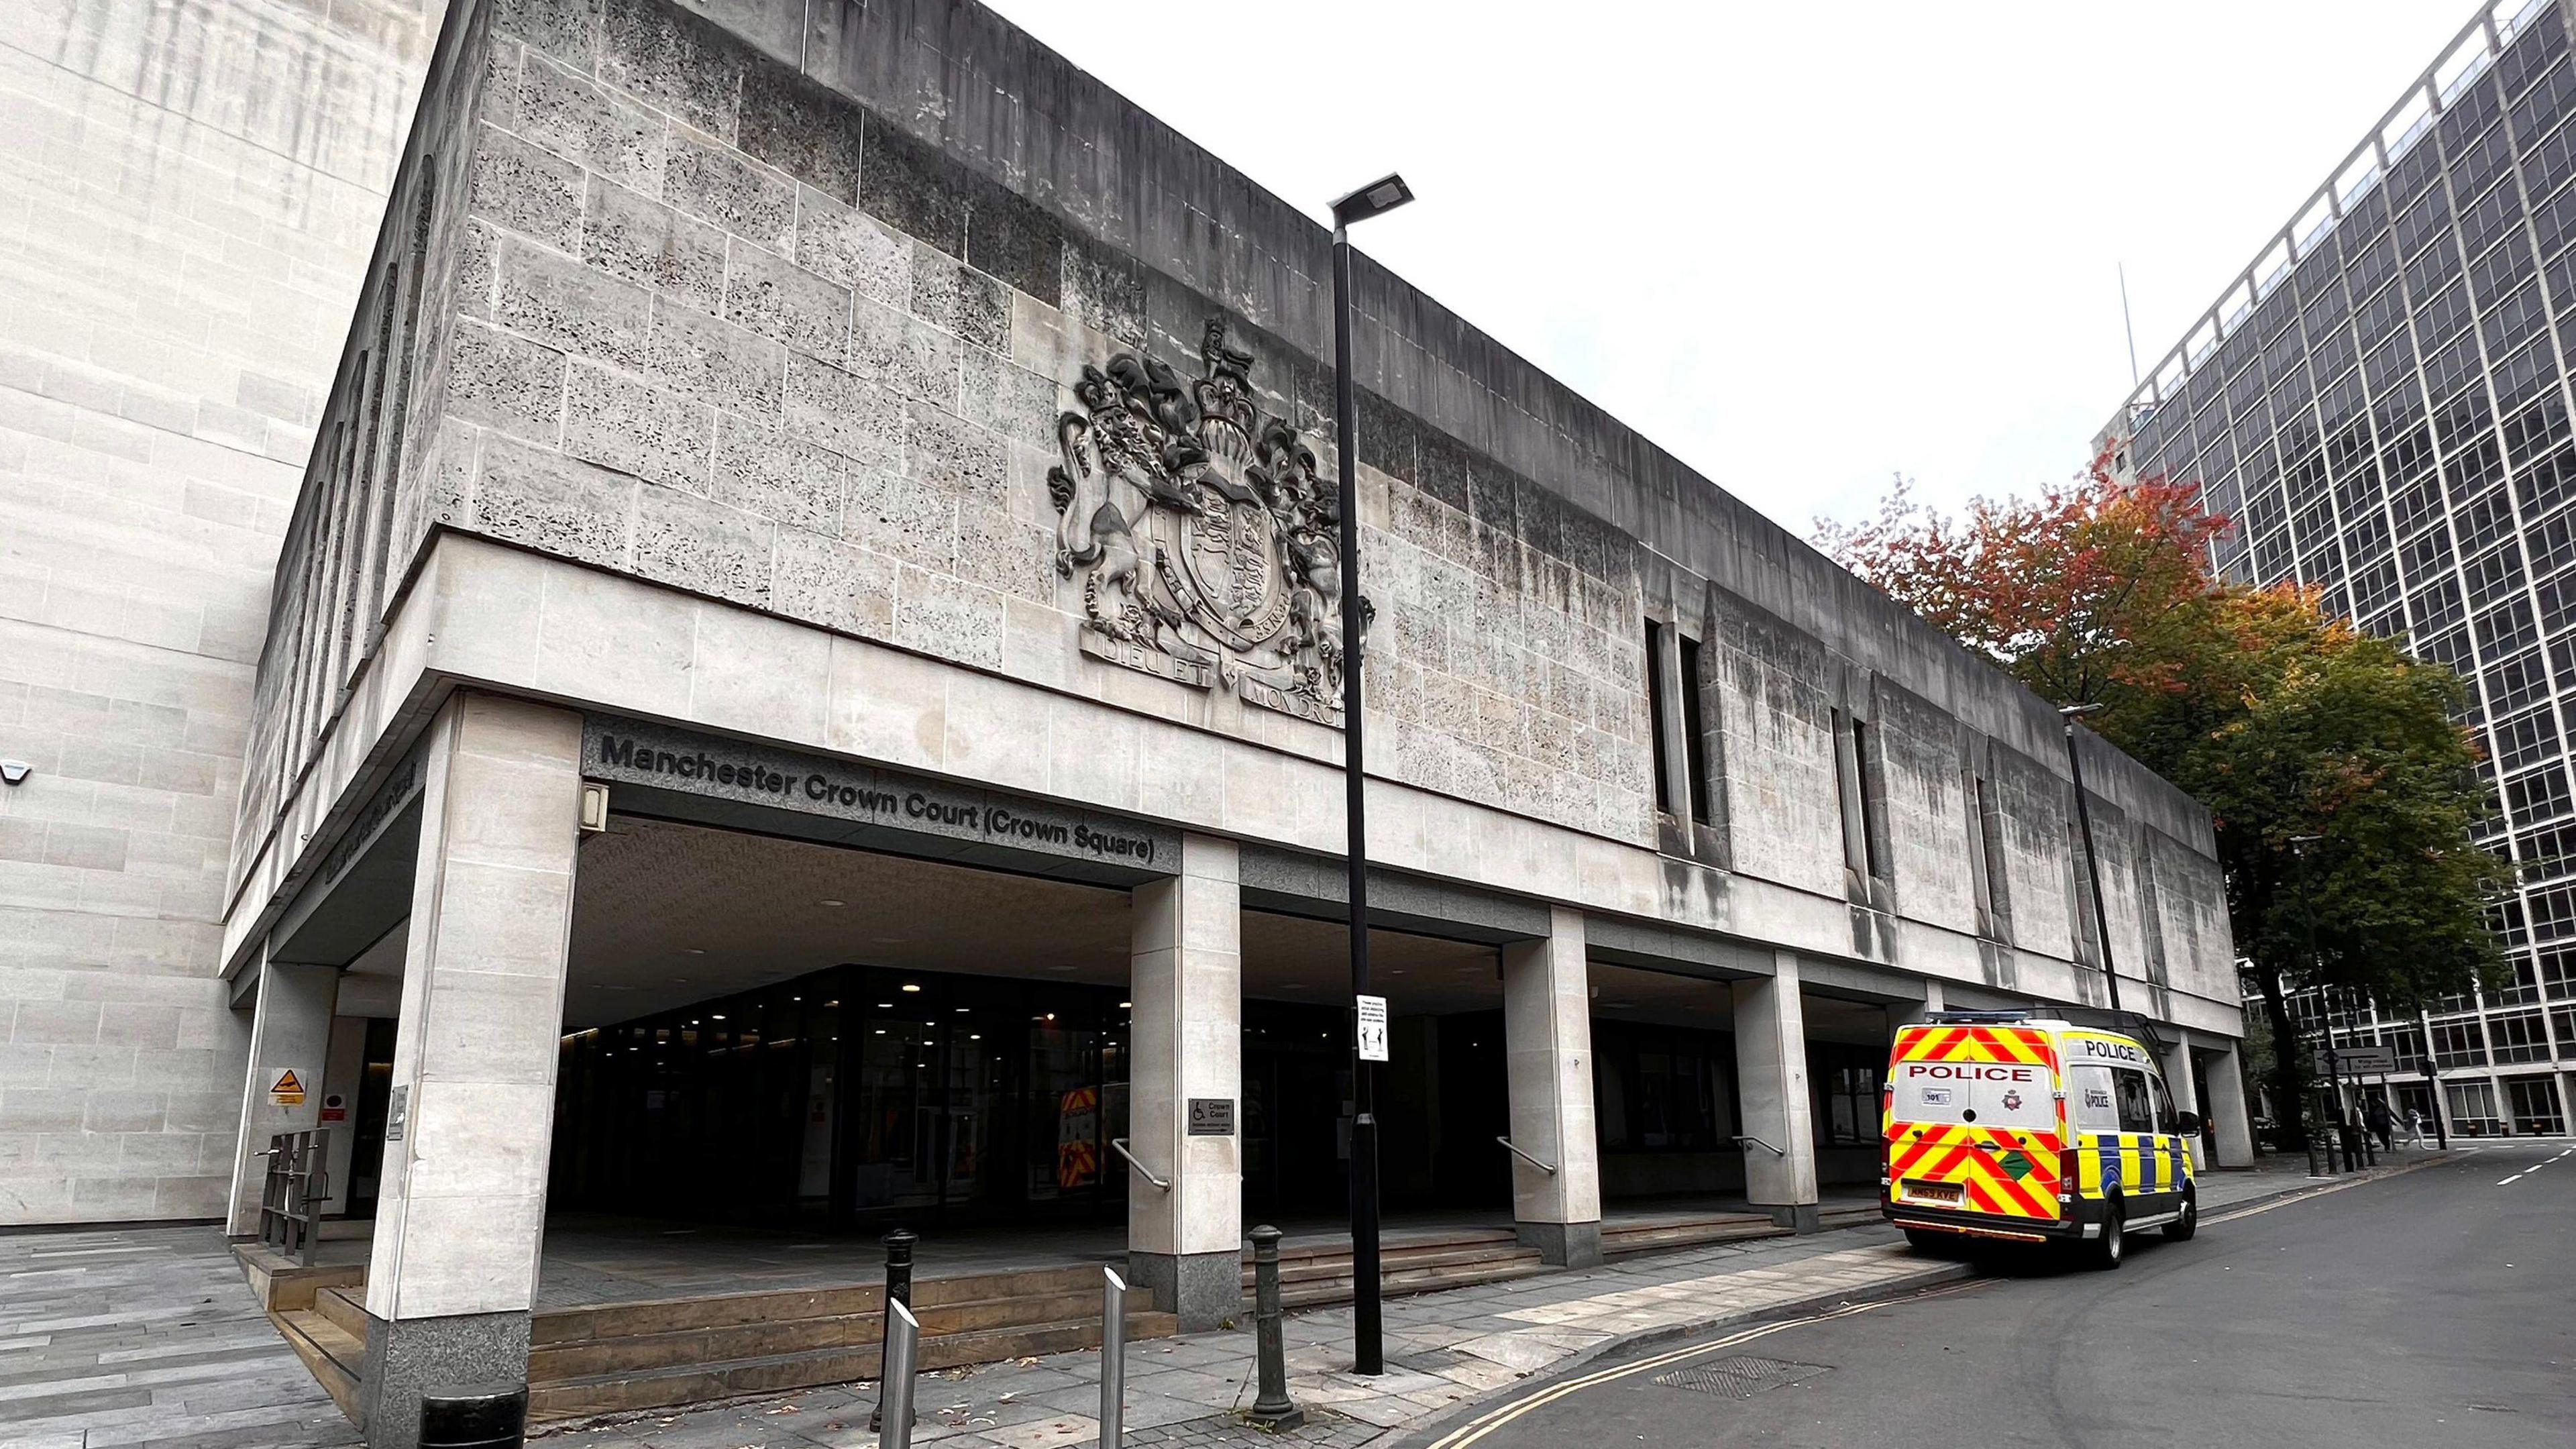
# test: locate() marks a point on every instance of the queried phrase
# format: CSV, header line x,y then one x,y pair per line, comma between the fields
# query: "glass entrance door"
x,y
2535,1106
981,1098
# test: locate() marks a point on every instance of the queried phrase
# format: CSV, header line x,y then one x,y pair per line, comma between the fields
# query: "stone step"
x,y
724,1342
330,1353
1400,1242
1322,1292
1395,1259
706,1381
281,1283
667,1315
1667,1237
345,1307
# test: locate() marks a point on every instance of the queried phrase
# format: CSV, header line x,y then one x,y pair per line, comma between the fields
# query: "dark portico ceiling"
x,y
666,914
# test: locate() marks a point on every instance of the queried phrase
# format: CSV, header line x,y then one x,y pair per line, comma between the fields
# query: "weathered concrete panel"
x,y
187,236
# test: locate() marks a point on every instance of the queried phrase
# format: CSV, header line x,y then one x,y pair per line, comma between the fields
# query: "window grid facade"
x,y
2382,405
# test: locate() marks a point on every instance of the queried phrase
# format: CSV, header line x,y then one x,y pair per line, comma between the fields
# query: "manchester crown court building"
x,y
800,692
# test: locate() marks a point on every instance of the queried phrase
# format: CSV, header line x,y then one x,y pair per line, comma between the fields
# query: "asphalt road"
x,y
2433,1308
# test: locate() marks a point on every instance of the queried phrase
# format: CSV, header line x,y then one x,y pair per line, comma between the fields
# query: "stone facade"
x,y
702,314
187,233
740,365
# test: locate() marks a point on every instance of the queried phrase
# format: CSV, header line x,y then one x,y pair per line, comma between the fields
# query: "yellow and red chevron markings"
x,y
2007,1171
2020,1046
2003,1171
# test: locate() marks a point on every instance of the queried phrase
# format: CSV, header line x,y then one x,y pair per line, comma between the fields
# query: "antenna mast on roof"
x,y
2127,326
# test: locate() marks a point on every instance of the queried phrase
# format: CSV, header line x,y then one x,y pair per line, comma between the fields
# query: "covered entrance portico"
x,y
757,1010
773,1017
865,1040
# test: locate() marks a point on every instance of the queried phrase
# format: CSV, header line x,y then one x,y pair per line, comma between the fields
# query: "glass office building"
x,y
2381,401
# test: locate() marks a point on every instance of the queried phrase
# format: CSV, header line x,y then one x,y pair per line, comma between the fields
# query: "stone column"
x,y
460,1215
2186,1092
1547,1052
290,1029
1771,1082
1186,1042
2226,1109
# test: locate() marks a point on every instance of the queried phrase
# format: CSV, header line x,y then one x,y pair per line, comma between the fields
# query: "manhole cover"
x,y
1740,1377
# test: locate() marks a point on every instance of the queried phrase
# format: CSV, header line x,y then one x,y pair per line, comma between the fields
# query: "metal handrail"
x,y
1119,1146
1525,1157
1758,1142
292,1191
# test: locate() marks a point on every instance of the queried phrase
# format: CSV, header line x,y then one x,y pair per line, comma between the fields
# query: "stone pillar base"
x,y
1205,1290
1797,1217
408,1357
1562,1245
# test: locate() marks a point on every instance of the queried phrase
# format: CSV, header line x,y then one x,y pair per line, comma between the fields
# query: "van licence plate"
x,y
1948,1192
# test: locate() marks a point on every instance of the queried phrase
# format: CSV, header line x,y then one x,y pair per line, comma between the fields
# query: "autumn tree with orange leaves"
x,y
2342,786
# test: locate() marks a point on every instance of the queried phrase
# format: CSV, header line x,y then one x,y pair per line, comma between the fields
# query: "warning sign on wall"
x,y
285,1087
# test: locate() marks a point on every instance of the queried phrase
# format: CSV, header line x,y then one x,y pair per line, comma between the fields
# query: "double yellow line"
x,y
1484,1424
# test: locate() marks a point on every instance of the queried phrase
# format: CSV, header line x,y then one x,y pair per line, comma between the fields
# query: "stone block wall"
x,y
1773,688
785,311
192,187
721,328
1922,748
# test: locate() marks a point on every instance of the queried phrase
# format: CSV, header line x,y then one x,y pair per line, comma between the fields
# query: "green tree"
x,y
2342,786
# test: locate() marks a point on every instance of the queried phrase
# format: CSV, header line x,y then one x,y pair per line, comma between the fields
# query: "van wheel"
x,y
2181,1228
1939,1245
2106,1251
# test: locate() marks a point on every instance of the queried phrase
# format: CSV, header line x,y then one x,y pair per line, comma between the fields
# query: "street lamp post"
x,y
1368,1329
2432,1078
2308,927
2092,863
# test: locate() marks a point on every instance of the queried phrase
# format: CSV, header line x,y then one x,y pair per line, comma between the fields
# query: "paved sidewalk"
x,y
147,1337
1443,1349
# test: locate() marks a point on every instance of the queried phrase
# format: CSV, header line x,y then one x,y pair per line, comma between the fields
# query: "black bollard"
x,y
898,1289
1271,1406
473,1416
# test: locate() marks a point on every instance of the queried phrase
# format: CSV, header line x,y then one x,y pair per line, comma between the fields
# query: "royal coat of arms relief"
x,y
1207,546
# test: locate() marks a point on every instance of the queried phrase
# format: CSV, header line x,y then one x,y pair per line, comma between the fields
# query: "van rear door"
x,y
1973,1122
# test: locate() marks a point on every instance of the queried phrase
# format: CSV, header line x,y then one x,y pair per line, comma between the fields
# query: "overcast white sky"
x,y
1802,246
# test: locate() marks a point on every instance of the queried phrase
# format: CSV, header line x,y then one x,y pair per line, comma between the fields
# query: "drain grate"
x,y
1741,1377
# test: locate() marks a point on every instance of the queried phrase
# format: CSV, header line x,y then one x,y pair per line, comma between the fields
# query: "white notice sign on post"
x,y
1372,1028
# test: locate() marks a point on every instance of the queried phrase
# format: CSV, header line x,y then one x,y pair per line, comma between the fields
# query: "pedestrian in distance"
x,y
2383,1123
2414,1127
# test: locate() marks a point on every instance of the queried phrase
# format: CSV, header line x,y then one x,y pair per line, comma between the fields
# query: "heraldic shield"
x,y
1207,546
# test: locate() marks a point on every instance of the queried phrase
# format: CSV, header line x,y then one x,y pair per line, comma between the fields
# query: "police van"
x,y
2034,1127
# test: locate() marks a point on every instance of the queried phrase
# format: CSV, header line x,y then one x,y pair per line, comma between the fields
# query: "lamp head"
x,y
15,771
1382,195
